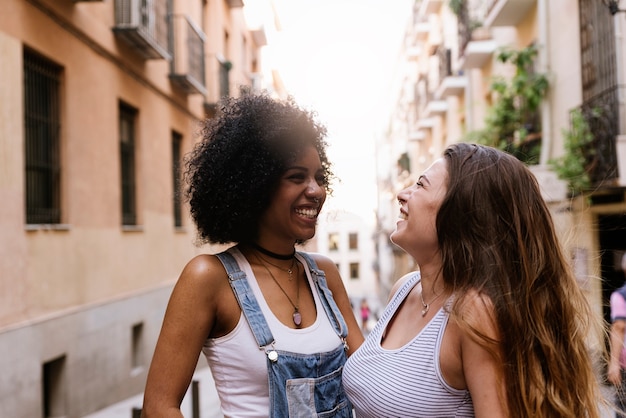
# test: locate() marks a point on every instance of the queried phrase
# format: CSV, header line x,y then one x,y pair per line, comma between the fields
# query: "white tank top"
x,y
238,365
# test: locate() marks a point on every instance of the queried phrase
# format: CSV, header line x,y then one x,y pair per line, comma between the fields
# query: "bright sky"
x,y
337,58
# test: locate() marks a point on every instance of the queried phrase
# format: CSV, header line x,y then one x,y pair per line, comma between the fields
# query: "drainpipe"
x,y
544,67
619,23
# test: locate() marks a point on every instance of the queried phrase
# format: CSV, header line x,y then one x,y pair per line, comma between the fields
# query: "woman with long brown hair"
x,y
494,323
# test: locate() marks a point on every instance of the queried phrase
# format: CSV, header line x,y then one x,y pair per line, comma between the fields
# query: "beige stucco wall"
x,y
13,245
76,289
91,258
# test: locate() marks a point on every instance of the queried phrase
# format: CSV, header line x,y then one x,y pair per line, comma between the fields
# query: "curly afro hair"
x,y
234,171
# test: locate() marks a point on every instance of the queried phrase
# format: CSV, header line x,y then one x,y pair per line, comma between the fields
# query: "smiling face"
x,y
416,231
292,214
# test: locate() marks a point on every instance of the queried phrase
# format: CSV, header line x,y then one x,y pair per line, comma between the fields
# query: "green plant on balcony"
x,y
573,164
456,6
512,123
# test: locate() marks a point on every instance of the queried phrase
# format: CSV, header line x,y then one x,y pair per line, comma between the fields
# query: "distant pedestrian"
x,y
365,314
616,373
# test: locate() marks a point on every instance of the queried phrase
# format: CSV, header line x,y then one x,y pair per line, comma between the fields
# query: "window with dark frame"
x,y
354,271
177,140
353,241
42,126
333,241
137,348
127,118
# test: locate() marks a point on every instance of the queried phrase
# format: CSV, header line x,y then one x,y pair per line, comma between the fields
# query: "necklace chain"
x,y
288,270
297,317
426,306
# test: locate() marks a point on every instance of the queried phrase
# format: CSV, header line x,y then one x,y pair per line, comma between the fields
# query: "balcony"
x,y
259,36
223,78
421,28
478,53
451,86
507,12
436,108
143,26
602,114
435,35
416,136
187,47
430,6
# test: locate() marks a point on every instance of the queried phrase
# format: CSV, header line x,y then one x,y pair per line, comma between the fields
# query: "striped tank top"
x,y
404,382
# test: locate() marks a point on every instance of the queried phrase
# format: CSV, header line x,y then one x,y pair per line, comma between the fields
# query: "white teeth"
x,y
403,216
309,213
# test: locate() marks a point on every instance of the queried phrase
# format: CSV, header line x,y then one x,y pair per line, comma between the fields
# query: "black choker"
x,y
272,254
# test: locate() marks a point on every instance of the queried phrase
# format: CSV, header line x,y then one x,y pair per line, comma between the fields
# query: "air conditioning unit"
x,y
143,25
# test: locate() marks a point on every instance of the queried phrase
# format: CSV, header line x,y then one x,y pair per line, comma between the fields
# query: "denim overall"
x,y
300,385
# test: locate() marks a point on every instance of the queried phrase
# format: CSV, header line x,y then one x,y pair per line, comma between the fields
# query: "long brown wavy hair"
x,y
497,238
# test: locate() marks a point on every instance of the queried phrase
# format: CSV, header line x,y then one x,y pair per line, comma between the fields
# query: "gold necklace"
x,y
288,271
297,317
426,306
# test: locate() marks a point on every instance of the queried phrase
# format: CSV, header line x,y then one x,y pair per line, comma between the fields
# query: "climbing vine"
x,y
513,122
572,165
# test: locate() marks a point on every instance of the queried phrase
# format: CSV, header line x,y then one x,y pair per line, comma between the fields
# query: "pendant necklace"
x,y
426,306
289,271
297,317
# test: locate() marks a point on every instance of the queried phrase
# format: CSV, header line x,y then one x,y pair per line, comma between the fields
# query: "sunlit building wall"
x,y
450,61
100,102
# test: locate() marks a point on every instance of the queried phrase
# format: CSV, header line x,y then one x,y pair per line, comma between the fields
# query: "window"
x,y
54,388
177,140
224,69
353,239
354,270
333,241
42,80
137,347
127,161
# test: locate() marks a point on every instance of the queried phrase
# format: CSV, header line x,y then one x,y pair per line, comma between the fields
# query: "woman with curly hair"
x,y
494,323
275,324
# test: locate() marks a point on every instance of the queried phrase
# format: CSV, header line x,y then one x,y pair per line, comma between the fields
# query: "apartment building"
x,y
451,57
347,239
100,100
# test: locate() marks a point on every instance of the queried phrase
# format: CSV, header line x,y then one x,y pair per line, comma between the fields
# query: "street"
x,y
209,402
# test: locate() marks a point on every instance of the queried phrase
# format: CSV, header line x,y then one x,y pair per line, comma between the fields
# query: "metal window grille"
x,y
42,80
127,162
187,49
600,90
177,140
224,70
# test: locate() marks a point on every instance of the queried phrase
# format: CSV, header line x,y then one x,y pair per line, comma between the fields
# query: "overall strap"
x,y
246,299
326,297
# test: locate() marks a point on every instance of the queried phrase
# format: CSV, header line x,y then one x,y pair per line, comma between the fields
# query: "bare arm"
x,y
336,286
189,318
481,369
618,328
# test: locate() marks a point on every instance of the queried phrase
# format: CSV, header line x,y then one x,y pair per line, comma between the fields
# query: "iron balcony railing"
x,y
187,68
602,114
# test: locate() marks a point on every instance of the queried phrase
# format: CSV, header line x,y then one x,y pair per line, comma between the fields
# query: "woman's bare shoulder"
x,y
204,271
478,311
400,282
